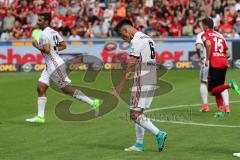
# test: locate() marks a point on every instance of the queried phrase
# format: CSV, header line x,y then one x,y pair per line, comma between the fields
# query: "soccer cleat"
x,y
204,108
96,103
236,154
135,148
233,84
36,119
161,138
227,109
219,115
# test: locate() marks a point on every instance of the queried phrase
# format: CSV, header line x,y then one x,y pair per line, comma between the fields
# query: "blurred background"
x,y
87,27
76,19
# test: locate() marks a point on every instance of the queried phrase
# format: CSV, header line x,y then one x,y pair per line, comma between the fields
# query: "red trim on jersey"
x,y
138,80
56,65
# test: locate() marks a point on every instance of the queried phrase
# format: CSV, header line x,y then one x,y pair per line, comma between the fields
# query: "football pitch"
x,y
191,135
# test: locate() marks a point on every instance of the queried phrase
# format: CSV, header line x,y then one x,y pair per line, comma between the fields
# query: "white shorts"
x,y
58,77
142,96
204,73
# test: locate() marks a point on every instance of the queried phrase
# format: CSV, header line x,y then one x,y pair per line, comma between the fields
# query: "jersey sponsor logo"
x,y
217,54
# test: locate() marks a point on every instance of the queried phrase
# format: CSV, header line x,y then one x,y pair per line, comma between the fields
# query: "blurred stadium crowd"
x,y
76,19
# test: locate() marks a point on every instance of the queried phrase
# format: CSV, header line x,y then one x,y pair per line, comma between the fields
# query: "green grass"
x,y
105,137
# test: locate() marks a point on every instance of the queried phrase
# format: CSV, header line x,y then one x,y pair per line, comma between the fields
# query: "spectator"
x,y
2,14
121,10
74,36
91,17
142,19
175,29
237,5
234,34
216,18
70,19
187,29
108,13
5,36
225,28
237,25
100,29
17,30
57,20
32,18
65,30
8,21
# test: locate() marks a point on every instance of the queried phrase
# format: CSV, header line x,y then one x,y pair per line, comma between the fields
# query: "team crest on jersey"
x,y
131,50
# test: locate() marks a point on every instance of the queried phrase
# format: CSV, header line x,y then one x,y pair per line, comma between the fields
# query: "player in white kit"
x,y
50,43
203,72
204,78
141,65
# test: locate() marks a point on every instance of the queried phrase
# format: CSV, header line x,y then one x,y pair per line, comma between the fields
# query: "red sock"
x,y
219,89
219,101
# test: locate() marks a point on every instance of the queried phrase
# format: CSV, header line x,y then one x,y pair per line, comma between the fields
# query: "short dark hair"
x,y
47,17
122,23
208,22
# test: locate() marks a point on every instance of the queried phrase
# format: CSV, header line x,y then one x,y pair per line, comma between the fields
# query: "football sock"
x,y
147,124
81,96
41,106
225,97
139,133
219,100
219,89
204,93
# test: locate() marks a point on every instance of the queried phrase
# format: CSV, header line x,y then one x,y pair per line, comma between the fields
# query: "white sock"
x,y
147,124
225,97
41,106
204,92
81,96
139,133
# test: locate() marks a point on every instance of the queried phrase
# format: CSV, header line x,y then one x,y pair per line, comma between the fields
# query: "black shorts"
x,y
216,77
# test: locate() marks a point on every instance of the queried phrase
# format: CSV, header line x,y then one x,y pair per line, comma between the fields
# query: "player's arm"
x,y
198,50
46,48
208,50
128,75
227,54
62,46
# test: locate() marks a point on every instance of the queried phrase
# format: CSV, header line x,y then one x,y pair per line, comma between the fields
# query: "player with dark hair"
x,y
141,65
50,43
217,55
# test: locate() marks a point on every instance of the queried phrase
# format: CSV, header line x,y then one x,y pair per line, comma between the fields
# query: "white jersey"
x,y
143,48
199,41
52,37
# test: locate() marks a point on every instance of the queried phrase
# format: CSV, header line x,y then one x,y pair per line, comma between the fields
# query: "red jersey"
x,y
219,47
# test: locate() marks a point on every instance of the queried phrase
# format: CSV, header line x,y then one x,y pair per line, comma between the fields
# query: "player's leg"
x,y
60,78
76,93
142,98
139,118
203,88
225,97
42,87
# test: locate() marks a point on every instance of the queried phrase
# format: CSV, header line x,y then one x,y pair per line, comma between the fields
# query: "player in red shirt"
x,y
217,59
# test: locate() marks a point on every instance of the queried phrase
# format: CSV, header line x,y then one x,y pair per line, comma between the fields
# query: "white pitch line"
x,y
196,124
181,106
189,123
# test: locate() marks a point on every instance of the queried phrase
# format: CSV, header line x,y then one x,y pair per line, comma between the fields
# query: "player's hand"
x,y
117,90
206,63
201,61
35,43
